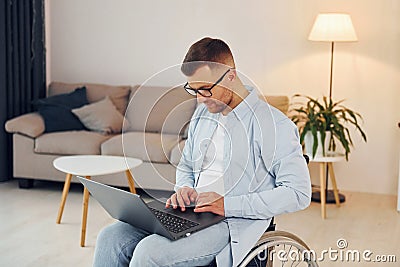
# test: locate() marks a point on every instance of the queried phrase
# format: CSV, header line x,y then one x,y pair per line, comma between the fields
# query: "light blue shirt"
x,y
265,171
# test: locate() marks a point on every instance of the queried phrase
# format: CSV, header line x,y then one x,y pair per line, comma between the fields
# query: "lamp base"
x,y
330,197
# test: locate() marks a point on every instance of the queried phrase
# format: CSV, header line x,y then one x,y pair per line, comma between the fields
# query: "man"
x,y
242,160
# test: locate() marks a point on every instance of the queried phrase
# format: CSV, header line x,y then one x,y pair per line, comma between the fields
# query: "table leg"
x,y
333,179
84,213
130,181
67,183
322,190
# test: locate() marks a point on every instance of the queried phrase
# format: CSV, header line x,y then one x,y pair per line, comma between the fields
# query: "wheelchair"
x,y
278,248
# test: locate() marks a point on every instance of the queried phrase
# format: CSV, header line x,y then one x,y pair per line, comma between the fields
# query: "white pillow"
x,y
101,116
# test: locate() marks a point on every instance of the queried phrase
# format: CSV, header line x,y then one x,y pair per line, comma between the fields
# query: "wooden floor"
x,y
30,237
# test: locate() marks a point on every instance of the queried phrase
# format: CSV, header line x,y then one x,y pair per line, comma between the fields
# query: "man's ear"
x,y
232,75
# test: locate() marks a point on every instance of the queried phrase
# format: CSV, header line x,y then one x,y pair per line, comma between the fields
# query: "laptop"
x,y
152,216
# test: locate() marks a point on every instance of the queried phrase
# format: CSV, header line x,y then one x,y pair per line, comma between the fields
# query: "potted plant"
x,y
326,119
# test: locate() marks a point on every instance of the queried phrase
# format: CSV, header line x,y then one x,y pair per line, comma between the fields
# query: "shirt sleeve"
x,y
292,190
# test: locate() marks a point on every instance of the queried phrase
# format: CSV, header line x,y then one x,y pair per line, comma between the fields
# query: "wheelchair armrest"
x,y
271,226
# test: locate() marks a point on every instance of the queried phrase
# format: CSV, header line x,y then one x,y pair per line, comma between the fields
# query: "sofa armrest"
x,y
30,124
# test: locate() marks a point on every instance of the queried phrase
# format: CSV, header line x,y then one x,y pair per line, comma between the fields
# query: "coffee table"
x,y
88,166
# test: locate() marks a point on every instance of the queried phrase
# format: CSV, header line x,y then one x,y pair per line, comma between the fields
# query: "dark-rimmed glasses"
x,y
203,91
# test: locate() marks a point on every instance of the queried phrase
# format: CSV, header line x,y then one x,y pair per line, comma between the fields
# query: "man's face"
x,y
204,77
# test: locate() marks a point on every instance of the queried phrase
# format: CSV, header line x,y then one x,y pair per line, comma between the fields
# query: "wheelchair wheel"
x,y
279,248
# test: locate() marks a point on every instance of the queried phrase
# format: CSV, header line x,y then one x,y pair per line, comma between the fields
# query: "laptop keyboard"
x,y
173,223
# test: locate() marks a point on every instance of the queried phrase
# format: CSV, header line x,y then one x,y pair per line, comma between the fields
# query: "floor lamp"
x,y
332,27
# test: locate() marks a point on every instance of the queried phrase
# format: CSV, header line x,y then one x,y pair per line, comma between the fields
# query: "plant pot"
x,y
339,150
309,141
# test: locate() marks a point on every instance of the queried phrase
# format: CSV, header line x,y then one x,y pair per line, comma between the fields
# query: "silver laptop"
x,y
153,216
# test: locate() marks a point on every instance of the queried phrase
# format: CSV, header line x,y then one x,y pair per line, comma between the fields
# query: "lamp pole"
x,y
331,78
330,102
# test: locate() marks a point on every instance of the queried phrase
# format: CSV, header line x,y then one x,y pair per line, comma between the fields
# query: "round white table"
x,y
327,162
88,166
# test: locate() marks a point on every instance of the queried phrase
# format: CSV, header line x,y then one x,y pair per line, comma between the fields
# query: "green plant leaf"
x,y
319,116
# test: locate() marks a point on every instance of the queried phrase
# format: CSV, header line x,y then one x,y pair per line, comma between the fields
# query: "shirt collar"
x,y
247,104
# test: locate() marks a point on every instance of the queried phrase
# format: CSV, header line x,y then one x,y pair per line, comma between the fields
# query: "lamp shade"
x,y
333,27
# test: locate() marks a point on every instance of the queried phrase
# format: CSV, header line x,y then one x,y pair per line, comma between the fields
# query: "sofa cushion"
x,y
70,143
95,92
148,147
30,124
101,116
56,110
160,109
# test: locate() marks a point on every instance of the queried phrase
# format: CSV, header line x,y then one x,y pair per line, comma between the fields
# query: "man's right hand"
x,y
182,198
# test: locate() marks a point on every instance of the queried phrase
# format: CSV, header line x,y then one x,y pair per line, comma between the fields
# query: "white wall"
x,y
125,42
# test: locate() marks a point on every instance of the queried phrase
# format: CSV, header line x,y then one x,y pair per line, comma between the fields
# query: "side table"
x,y
88,166
327,162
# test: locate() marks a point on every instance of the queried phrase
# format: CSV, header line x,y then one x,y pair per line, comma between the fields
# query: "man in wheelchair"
x,y
242,159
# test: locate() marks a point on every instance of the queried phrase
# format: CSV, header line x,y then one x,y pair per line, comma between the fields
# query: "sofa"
x,y
154,129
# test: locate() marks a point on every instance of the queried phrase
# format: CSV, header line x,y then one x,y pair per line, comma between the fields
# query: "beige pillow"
x,y
101,116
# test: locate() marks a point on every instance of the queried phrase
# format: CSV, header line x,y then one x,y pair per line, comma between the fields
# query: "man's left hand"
x,y
210,202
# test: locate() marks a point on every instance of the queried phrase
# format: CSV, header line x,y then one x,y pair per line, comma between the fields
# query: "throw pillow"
x,y
59,118
75,99
95,92
56,111
101,116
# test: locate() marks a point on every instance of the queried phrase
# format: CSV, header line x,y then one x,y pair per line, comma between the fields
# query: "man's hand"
x,y
210,202
183,197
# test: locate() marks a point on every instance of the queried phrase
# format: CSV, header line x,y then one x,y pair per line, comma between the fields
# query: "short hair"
x,y
204,51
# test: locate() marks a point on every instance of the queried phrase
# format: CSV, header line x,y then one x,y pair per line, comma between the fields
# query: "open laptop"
x,y
153,216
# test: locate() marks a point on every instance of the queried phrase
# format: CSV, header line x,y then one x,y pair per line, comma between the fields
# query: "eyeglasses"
x,y
203,91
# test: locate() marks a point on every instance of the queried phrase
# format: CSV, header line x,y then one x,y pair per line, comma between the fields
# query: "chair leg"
x,y
64,197
84,213
130,181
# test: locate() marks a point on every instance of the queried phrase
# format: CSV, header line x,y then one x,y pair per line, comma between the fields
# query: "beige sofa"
x,y
154,131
